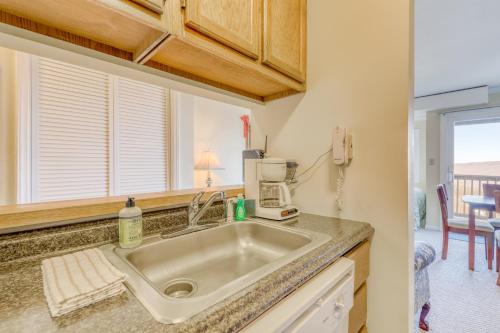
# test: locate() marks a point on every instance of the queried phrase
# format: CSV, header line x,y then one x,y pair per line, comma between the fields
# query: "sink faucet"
x,y
195,213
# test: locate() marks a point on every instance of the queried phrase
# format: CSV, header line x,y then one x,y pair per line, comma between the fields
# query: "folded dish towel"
x,y
79,279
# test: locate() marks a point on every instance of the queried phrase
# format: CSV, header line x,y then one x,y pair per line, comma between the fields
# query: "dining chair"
x,y
498,260
460,225
489,191
496,194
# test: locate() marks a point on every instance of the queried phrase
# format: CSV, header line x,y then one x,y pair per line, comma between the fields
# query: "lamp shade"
x,y
208,161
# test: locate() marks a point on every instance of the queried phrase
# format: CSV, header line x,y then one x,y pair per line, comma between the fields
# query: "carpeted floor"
x,y
461,301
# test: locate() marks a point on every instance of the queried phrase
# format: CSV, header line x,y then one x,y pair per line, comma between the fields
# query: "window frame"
x,y
24,73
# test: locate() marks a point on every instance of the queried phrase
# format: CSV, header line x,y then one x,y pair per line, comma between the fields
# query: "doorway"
x,y
468,157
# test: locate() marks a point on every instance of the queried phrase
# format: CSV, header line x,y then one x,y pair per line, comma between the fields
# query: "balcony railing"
x,y
469,185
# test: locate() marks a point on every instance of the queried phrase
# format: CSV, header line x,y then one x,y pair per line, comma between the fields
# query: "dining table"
x,y
477,202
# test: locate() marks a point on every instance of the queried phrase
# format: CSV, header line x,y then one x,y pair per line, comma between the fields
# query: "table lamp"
x,y
208,161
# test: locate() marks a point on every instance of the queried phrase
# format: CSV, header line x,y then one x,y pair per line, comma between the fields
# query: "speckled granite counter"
x,y
23,307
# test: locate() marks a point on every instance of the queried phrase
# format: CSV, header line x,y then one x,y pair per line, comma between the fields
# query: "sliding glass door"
x,y
470,154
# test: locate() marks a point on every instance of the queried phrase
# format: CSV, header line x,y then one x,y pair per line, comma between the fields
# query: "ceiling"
x,y
457,45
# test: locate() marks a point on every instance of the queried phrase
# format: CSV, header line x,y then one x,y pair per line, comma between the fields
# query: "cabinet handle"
x,y
183,4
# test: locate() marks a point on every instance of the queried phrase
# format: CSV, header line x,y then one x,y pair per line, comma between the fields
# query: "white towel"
x,y
79,279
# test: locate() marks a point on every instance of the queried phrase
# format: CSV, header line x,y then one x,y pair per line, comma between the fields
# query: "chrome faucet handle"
x,y
194,207
195,213
195,202
225,202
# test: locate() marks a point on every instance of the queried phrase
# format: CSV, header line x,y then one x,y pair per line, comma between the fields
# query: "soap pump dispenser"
x,y
130,225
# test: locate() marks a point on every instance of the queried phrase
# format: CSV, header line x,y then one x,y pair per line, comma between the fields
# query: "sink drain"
x,y
180,288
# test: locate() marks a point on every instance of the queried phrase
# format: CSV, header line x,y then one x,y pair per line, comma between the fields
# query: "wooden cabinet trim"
x,y
134,11
191,76
195,39
361,257
239,72
45,30
153,5
358,313
123,27
29,216
150,46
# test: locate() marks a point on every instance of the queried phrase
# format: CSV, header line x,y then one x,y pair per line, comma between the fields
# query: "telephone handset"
x,y
342,154
342,146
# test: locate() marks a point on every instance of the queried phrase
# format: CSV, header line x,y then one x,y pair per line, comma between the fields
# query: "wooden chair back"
x,y
443,200
496,194
489,189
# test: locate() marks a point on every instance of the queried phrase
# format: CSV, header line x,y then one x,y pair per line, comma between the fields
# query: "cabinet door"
x,y
235,23
285,24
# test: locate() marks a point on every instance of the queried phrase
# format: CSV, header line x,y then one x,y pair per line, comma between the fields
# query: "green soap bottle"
x,y
241,212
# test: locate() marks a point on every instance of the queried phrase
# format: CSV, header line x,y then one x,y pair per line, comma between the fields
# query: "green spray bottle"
x,y
241,212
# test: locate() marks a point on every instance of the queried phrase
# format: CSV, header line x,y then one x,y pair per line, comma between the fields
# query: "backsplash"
x,y
77,236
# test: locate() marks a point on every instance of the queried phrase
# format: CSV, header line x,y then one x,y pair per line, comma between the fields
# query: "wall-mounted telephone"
x,y
342,146
342,154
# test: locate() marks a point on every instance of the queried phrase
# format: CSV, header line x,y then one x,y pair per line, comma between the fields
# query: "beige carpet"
x,y
461,301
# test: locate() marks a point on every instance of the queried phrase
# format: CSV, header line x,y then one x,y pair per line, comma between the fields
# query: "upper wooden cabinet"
x,y
235,23
254,48
285,36
122,24
220,42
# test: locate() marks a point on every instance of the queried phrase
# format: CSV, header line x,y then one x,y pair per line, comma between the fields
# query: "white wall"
x,y
217,127
433,153
359,60
206,124
8,125
494,99
421,180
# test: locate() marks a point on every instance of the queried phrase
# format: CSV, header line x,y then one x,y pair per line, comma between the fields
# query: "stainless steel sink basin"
x,y
179,277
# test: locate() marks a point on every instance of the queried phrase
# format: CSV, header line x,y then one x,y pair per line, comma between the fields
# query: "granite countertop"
x,y
23,307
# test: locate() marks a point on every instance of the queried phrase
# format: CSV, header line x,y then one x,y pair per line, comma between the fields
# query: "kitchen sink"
x,y
178,277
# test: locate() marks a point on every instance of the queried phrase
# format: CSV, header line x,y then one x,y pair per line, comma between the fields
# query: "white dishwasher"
x,y
319,306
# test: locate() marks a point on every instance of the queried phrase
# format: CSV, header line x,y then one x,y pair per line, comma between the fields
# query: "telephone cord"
x,y
340,189
314,164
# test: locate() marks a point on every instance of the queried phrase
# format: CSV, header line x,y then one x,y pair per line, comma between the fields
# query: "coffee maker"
x,y
266,183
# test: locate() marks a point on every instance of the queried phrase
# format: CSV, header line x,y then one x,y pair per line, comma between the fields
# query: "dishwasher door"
x,y
330,313
322,305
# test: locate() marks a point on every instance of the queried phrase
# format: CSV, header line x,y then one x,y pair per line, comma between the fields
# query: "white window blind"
x,y
70,123
141,145
94,134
